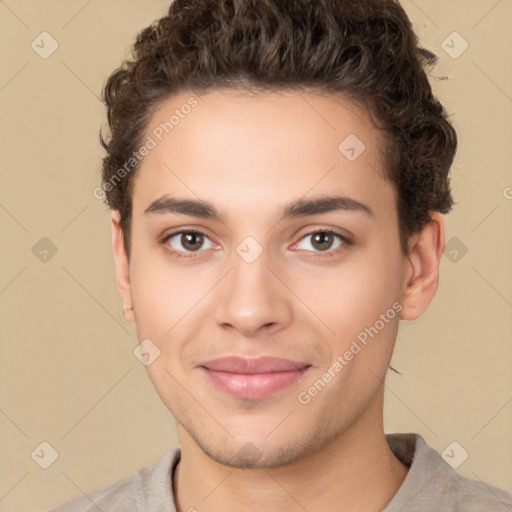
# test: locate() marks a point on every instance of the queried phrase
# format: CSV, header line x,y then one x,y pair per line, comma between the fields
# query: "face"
x,y
265,270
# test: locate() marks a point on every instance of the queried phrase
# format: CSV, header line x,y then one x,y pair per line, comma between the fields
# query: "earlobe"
x,y
122,267
421,278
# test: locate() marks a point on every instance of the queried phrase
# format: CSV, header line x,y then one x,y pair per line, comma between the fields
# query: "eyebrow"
x,y
299,208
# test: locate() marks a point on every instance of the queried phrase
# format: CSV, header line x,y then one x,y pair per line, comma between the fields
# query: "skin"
x,y
250,156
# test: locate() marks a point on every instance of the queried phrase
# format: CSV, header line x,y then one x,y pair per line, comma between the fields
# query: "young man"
x,y
278,174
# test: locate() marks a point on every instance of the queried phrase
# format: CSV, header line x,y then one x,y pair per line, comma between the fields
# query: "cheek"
x,y
352,295
171,304
165,292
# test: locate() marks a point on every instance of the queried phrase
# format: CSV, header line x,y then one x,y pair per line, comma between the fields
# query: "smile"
x,y
253,378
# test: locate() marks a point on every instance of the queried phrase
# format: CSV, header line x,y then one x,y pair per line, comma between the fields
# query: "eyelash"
x,y
323,254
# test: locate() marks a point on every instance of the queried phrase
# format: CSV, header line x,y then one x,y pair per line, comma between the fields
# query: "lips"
x,y
253,378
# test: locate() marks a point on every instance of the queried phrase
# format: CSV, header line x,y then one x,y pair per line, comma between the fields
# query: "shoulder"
x,y
131,493
465,494
475,495
432,484
112,498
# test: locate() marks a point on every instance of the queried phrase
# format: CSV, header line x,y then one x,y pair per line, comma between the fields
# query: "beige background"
x,y
68,373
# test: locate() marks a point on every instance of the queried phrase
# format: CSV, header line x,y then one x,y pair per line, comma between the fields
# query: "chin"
x,y
250,456
258,451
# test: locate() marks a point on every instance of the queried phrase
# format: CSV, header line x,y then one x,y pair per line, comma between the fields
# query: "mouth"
x,y
253,379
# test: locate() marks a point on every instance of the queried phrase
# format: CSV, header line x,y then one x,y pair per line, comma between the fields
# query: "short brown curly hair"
x,y
364,49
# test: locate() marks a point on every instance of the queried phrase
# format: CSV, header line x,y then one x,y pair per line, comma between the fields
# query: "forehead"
x,y
261,147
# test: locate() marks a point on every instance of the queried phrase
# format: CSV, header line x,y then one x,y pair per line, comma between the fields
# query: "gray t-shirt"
x,y
430,485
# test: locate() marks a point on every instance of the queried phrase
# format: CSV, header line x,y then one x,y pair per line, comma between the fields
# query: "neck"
x,y
355,471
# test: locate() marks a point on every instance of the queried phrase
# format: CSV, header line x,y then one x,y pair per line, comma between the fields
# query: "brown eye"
x,y
192,241
322,240
183,242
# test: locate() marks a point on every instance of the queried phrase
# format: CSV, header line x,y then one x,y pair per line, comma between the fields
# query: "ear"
x,y
122,266
421,276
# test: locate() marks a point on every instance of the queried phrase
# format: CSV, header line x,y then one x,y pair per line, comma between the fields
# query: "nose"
x,y
252,300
